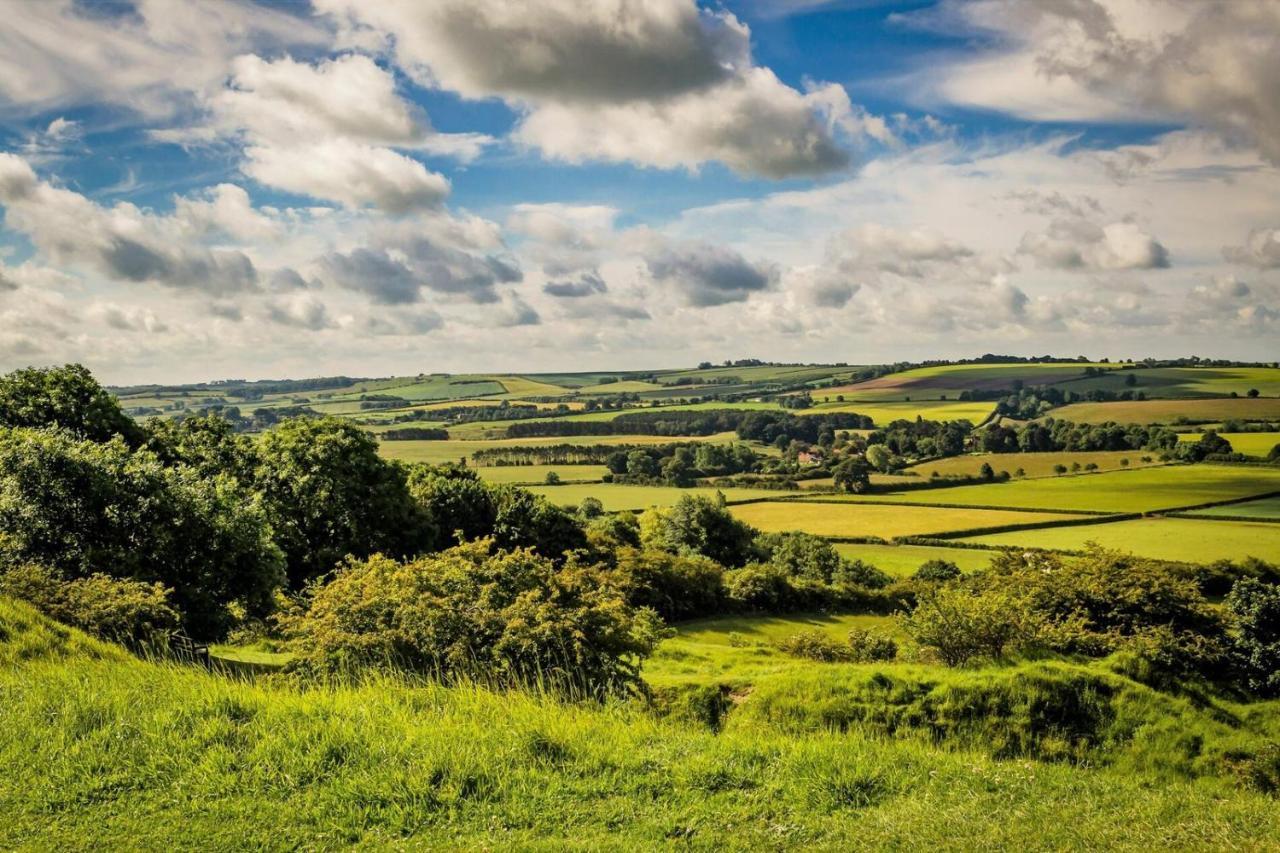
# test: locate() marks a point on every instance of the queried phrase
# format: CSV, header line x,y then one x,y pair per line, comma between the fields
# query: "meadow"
x,y
932,383
1145,490
1178,539
1264,508
452,450
1033,464
884,413
107,752
1187,381
530,475
1249,443
1172,411
846,520
617,497
902,561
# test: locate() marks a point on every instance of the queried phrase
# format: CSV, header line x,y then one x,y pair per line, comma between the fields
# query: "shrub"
x,y
133,613
964,624
937,571
699,525
675,587
759,586
871,646
1255,611
815,645
506,617
804,557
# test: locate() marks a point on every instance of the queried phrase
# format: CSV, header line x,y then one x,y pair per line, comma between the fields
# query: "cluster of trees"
x,y
1027,403
780,428
1057,435
921,439
767,426
681,464
415,434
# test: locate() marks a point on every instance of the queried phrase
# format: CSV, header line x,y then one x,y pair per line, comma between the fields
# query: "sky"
x,y
204,189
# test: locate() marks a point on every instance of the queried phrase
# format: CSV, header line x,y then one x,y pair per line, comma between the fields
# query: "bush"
x,y
965,624
133,613
937,571
1255,611
815,645
675,587
506,618
699,525
871,646
804,557
759,586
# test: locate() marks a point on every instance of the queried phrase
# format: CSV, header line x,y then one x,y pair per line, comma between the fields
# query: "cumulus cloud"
x,y
516,312
1261,249
152,57
707,275
123,242
1080,244
1213,63
301,311
129,319
587,284
659,83
401,323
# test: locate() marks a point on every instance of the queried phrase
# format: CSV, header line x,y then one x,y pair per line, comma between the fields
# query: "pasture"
x,y
931,383
1033,464
1249,443
901,561
1183,539
1172,411
618,497
1144,490
1174,382
847,520
528,475
1261,509
884,413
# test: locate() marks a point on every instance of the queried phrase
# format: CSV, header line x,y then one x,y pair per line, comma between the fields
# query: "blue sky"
x,y
217,188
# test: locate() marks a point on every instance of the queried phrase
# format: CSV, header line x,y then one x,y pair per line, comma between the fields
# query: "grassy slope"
x,y
1248,443
1265,508
1149,490
930,383
1188,381
1193,540
111,753
1034,464
886,521
1170,411
885,413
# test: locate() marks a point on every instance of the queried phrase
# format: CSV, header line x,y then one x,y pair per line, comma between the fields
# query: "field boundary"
x,y
1200,517
805,500
1211,504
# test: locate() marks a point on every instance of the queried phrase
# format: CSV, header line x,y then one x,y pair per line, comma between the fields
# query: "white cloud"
x,y
1261,249
1077,243
708,275
657,83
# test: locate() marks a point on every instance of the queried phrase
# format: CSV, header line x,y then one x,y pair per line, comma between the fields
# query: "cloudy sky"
x,y
198,189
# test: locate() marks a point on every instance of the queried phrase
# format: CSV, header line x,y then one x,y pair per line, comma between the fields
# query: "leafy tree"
x,y
1274,455
986,472
208,443
852,475
675,586
83,508
641,464
1210,444
67,397
328,494
963,624
505,618
759,586
937,571
1253,393
699,525
526,520
1255,612
880,458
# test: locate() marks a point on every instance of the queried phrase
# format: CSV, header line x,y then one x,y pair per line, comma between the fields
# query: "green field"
x,y
1166,382
932,383
1265,508
1249,443
616,497
537,474
901,561
885,413
1145,490
451,450
1034,464
1190,540
844,520
1172,411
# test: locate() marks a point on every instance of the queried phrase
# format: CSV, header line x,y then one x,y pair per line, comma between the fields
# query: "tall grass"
x,y
102,751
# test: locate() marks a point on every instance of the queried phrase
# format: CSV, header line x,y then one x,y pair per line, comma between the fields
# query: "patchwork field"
x,y
1145,490
1165,382
1249,443
884,413
1191,540
1265,508
537,474
1172,411
844,520
623,497
903,560
930,383
1034,464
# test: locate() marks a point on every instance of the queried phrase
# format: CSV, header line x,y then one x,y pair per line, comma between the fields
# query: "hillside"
x,y
106,752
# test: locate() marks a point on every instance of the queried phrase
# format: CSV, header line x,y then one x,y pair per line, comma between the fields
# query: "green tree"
x,y
699,525
852,475
675,586
67,397
1254,607
84,507
880,458
328,494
